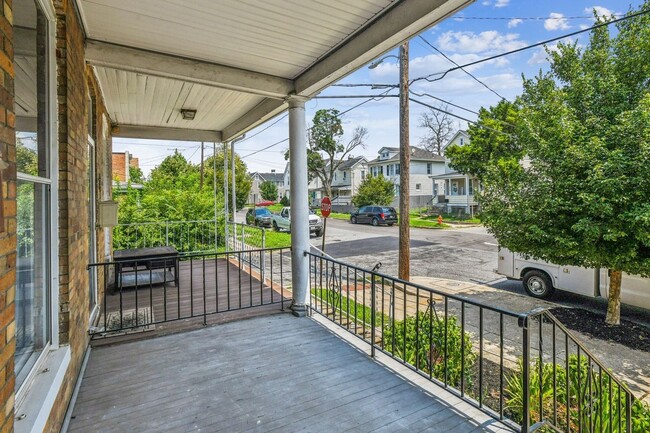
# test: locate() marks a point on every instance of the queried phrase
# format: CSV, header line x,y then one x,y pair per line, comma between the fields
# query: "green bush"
x,y
284,201
587,400
426,347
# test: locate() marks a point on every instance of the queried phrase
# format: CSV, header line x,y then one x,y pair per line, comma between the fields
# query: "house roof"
x,y
458,133
450,175
417,153
273,177
235,63
351,162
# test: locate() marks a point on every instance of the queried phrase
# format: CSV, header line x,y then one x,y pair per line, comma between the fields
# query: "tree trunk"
x,y
614,304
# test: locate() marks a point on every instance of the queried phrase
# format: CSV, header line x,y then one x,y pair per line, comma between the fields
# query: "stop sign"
x,y
325,207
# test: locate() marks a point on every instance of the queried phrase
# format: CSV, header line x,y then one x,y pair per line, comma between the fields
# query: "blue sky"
x,y
483,29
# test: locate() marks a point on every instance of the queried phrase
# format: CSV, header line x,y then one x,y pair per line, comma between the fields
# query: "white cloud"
x,y
514,23
484,42
556,21
501,3
486,3
584,26
600,11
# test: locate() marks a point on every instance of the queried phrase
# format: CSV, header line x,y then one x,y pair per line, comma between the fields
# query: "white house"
x,y
424,164
456,190
346,181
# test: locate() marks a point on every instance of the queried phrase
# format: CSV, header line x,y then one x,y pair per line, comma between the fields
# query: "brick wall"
x,y
8,223
119,169
73,189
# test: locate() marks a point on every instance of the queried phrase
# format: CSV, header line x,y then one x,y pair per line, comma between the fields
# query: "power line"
x,y
262,130
459,117
461,68
533,18
476,62
373,98
443,101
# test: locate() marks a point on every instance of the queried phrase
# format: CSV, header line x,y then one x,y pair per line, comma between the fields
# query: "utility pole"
x,y
404,260
201,182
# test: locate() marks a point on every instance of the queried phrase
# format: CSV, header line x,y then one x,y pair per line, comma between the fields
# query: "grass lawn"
x,y
277,239
345,304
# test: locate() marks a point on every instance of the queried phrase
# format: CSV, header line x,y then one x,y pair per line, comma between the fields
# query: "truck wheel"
x,y
353,220
375,222
275,226
318,233
538,284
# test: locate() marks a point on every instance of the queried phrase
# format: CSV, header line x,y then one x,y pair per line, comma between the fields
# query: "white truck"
x,y
282,221
541,279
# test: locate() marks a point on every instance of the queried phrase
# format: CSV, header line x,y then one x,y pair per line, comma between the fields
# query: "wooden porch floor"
x,y
274,373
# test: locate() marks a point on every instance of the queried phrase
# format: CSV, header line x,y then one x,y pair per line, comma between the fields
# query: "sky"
x,y
483,29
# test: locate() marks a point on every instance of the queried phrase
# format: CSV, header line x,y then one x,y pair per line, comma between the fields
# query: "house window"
x,y
396,168
418,186
35,138
363,174
381,170
344,173
462,141
428,168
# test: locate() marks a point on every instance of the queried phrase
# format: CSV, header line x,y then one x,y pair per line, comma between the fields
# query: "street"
x,y
464,254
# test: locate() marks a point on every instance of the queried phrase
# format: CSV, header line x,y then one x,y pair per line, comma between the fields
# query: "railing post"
x,y
525,422
166,233
372,315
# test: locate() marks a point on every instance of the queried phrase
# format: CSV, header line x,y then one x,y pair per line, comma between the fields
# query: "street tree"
x,y
374,190
327,150
439,128
582,196
269,190
243,181
492,139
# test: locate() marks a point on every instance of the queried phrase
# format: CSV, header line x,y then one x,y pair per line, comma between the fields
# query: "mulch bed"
x,y
628,333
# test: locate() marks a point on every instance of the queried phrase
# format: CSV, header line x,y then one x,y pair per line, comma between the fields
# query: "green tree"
x,y
327,151
243,181
374,190
269,190
583,197
492,139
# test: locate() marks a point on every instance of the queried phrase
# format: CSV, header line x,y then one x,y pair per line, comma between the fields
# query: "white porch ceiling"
x,y
235,61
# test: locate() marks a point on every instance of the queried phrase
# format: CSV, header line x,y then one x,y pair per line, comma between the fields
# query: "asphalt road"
x,y
465,254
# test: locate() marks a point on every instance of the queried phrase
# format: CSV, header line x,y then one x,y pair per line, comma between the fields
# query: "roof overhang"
x,y
234,63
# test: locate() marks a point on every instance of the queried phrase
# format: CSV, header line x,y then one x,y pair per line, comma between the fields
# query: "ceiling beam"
x,y
194,71
163,133
406,19
262,112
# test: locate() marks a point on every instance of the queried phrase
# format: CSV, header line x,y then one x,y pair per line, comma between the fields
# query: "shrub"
x,y
594,413
426,347
284,201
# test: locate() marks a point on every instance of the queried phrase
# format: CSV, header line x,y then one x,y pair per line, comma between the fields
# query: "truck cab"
x,y
282,221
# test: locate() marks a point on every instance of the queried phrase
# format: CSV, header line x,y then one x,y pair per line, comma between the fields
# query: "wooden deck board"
x,y
273,373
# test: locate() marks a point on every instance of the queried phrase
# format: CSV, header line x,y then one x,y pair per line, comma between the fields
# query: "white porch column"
x,y
299,205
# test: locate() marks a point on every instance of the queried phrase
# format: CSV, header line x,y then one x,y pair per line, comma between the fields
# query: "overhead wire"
x,y
461,68
527,47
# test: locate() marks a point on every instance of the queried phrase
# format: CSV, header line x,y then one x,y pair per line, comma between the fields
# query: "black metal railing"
x,y
139,293
525,370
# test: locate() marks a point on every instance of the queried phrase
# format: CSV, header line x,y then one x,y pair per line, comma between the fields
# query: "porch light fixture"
x,y
188,114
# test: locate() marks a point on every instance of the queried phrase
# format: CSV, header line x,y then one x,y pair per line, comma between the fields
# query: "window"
x,y
344,173
36,208
462,141
396,168
418,186
428,168
363,174
381,170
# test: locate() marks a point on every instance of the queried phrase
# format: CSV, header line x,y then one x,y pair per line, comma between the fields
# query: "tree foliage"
x,y
583,197
374,190
269,190
243,181
493,139
327,151
439,128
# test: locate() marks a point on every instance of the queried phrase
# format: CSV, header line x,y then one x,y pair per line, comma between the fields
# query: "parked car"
x,y
261,217
282,221
374,215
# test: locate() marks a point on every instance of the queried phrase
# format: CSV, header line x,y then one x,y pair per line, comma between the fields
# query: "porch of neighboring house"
x,y
456,193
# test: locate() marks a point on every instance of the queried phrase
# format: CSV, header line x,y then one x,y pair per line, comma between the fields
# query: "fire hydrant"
x,y
440,220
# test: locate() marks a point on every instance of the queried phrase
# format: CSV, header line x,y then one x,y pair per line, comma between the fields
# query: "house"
x,y
345,182
456,191
423,165
258,179
122,163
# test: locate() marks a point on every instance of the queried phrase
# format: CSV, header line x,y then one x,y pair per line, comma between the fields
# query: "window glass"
x,y
32,304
